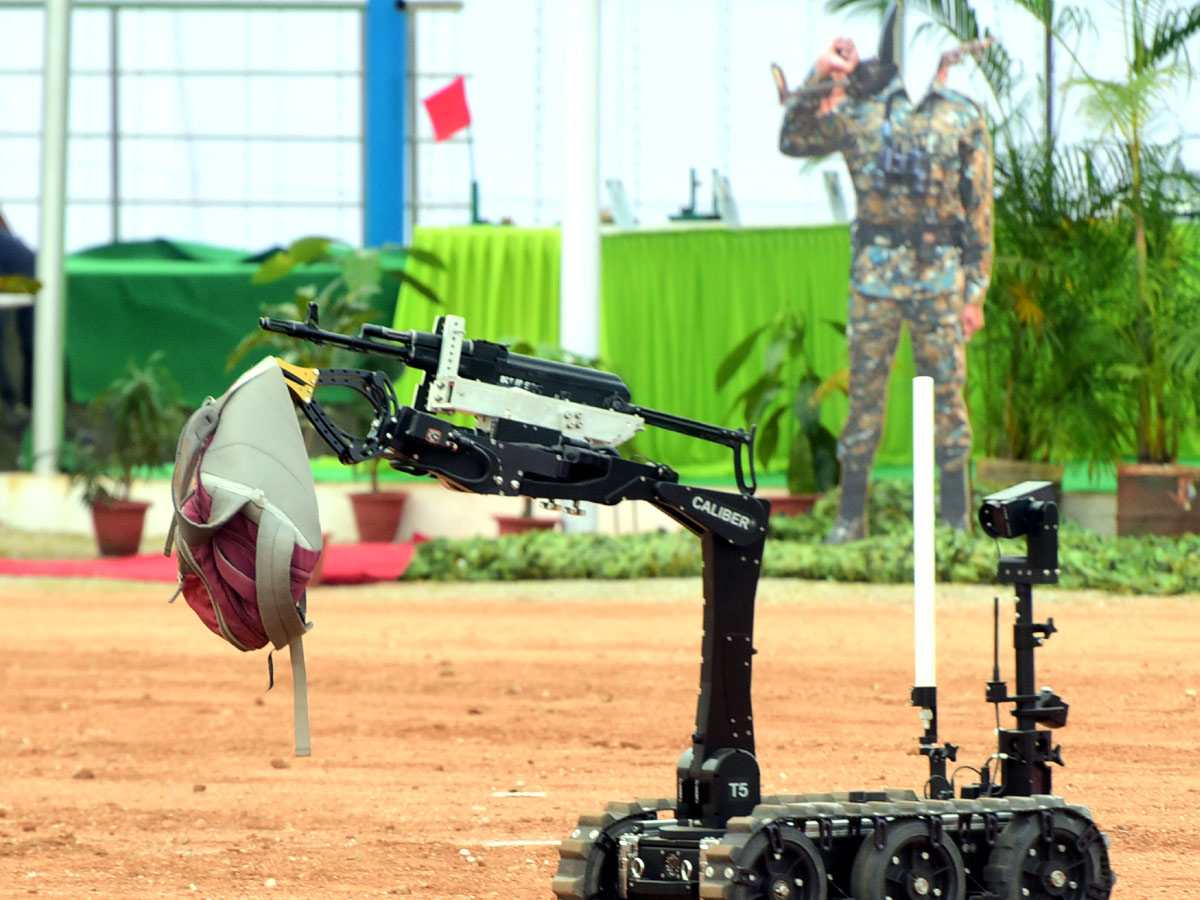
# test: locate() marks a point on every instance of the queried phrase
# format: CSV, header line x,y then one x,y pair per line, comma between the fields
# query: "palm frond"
x,y
957,17
1128,107
1168,37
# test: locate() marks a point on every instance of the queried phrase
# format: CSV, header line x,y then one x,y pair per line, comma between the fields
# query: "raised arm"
x,y
811,126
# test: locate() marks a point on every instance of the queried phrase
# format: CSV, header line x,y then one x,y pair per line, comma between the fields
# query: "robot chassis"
x,y
549,430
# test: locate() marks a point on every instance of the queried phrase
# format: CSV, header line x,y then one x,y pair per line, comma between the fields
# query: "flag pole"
x,y
475,220
449,114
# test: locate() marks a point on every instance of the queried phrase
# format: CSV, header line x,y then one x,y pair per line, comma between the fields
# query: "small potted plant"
x,y
345,303
377,512
787,386
137,421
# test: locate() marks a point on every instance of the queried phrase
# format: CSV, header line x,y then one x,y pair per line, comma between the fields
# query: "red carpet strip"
x,y
340,564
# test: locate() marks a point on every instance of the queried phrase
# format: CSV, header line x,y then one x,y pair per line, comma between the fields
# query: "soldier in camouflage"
x,y
922,251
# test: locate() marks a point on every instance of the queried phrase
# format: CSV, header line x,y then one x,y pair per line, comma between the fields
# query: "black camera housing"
x,y
1025,510
1019,510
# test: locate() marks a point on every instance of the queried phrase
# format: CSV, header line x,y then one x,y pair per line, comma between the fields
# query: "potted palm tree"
x,y
349,299
1152,371
137,421
1032,366
784,401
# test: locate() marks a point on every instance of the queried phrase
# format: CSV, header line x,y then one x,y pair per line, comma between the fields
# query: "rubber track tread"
x,y
723,861
720,863
574,853
1007,855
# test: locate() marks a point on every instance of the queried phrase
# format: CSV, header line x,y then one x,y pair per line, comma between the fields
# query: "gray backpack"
x,y
246,530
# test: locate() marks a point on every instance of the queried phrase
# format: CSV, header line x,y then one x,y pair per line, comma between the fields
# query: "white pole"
x,y
579,284
579,301
49,306
923,551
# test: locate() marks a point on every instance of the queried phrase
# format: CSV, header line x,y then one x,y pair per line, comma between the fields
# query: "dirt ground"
x,y
458,731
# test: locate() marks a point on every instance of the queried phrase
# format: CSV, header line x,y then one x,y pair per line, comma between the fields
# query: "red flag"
x,y
447,109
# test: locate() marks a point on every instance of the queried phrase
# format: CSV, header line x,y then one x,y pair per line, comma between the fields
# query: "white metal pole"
x,y
50,303
923,550
579,301
579,285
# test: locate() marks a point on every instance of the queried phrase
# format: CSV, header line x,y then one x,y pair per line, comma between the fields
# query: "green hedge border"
x,y
1143,565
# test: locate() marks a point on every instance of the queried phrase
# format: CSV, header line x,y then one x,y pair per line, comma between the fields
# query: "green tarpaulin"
x,y
195,302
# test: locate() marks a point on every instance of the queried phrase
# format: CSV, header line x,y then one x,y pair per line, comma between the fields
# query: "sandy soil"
x,y
140,756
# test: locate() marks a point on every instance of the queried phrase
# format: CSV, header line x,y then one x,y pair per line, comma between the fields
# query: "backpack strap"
x,y
190,450
281,619
196,432
300,697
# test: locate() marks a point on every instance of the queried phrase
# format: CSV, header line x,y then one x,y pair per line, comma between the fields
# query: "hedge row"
x,y
1146,565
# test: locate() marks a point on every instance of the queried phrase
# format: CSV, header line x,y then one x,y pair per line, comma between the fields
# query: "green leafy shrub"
x,y
1143,565
549,555
135,423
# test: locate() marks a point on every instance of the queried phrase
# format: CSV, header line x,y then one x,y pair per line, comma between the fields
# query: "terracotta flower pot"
x,y
793,504
377,515
1157,498
118,526
521,524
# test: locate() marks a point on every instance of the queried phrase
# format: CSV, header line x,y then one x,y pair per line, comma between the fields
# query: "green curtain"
x,y
675,302
502,280
672,304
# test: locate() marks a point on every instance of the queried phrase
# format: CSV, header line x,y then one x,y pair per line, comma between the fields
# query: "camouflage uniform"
x,y
922,246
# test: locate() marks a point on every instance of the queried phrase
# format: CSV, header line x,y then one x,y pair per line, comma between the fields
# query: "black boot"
x,y
956,493
851,524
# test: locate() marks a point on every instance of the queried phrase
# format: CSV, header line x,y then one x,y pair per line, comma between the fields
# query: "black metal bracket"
x,y
1090,835
881,832
936,831
964,824
991,828
939,785
825,834
774,839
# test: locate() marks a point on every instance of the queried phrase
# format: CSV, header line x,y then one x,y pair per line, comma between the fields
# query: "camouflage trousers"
x,y
872,333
